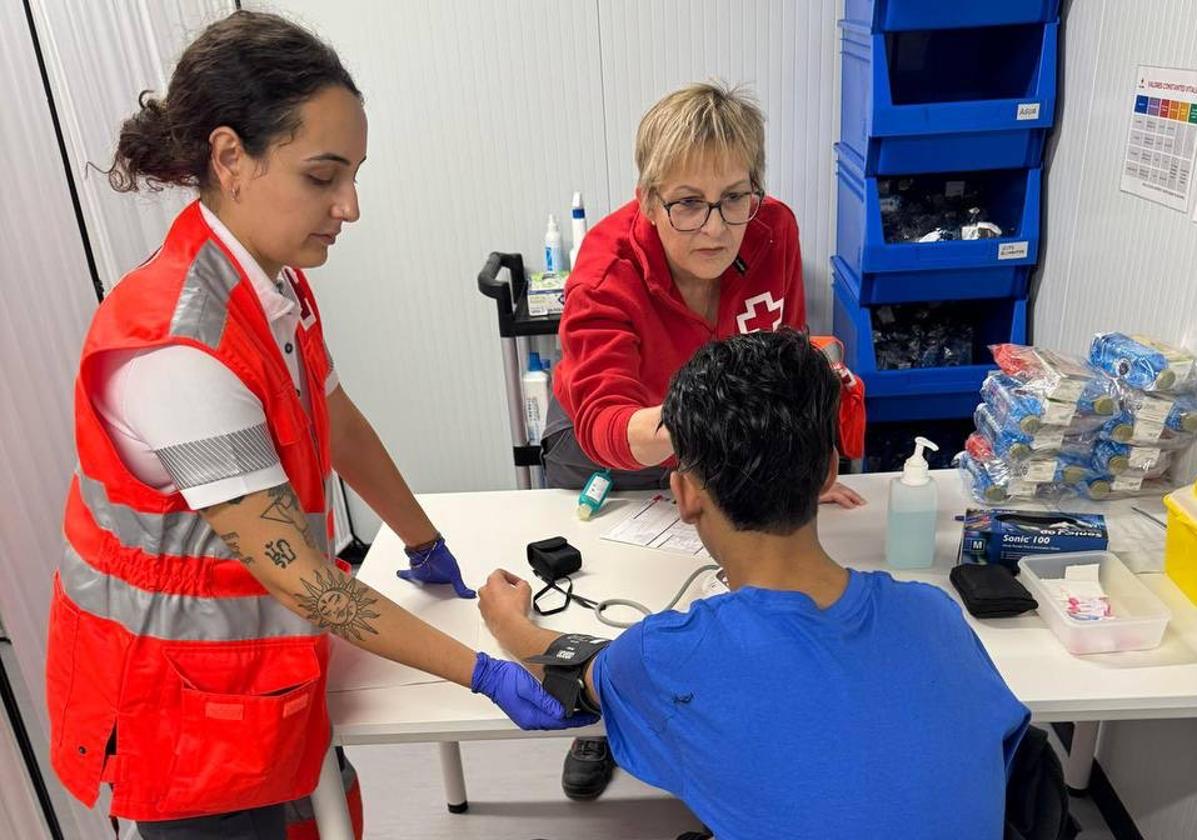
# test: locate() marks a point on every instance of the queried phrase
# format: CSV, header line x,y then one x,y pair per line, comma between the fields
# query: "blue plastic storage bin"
x,y
876,288
938,270
921,393
896,15
950,99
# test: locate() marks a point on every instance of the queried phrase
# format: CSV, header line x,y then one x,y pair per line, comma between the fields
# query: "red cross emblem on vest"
x,y
761,312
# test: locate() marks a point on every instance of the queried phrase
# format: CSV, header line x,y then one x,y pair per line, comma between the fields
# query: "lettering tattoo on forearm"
x,y
339,603
284,507
280,553
233,540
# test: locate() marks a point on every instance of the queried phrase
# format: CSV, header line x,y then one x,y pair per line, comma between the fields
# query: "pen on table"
x,y
1150,516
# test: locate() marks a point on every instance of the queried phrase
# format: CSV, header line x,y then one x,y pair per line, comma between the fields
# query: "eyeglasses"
x,y
687,215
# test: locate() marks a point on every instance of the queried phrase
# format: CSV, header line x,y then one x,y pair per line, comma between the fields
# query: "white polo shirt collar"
x,y
276,296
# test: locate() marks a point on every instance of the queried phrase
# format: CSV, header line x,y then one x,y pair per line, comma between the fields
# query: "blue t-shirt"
x,y
881,716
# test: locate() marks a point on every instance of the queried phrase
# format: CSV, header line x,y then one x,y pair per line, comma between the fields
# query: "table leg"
x,y
328,801
1080,755
454,777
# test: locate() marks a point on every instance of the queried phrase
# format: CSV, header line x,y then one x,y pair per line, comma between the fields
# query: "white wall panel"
x,y
786,52
100,56
47,300
484,117
20,815
1116,261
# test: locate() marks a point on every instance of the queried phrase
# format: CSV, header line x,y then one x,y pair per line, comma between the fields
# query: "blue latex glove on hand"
x,y
520,696
436,565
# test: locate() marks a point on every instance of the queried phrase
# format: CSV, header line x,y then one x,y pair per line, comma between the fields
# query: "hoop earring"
x,y
236,192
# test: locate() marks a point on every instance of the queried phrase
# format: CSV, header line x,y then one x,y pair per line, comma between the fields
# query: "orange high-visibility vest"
x,y
171,673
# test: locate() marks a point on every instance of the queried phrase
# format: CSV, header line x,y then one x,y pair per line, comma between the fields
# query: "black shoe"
x,y
588,768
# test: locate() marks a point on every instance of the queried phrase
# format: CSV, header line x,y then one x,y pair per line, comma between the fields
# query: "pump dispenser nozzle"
x,y
916,470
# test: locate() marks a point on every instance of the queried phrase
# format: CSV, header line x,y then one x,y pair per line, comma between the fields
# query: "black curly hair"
x,y
754,417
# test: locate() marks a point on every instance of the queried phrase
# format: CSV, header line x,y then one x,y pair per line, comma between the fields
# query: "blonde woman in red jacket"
x,y
701,253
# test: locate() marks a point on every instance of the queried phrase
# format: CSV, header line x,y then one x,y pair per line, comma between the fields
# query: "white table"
x,y
487,530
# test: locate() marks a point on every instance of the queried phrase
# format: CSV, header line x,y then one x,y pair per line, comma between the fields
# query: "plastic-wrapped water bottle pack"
x,y
1143,363
1053,425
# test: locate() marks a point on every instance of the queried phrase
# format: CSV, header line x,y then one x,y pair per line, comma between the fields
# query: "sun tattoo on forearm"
x,y
339,603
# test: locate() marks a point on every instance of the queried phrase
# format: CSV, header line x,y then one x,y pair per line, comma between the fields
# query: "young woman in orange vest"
x,y
188,630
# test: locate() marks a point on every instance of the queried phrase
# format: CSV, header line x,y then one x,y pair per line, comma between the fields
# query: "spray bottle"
x,y
577,216
552,247
913,505
536,397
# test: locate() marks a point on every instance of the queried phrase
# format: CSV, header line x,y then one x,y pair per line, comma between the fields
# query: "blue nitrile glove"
x,y
520,696
436,565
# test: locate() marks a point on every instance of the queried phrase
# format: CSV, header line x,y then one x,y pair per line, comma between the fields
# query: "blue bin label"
x,y
1013,250
1028,111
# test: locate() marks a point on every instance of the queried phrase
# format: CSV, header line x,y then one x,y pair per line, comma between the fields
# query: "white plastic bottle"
x,y
913,505
577,221
536,397
553,259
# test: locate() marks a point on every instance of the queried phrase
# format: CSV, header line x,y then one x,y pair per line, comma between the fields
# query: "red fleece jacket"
x,y
626,328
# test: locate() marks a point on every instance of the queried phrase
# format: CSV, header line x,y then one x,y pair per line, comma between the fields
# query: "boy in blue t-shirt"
x,y
811,701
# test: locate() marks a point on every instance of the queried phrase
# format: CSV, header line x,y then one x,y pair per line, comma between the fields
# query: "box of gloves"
x,y
1003,536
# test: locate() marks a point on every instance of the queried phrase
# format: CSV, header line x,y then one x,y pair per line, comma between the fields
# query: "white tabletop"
x,y
486,530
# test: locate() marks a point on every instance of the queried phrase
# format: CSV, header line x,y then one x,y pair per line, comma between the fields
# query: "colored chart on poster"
x,y
1162,140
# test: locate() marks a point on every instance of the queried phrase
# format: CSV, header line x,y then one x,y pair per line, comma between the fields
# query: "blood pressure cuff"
x,y
553,559
565,664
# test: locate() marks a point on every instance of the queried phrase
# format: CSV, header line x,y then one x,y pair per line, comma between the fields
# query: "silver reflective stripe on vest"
x,y
203,306
180,533
184,618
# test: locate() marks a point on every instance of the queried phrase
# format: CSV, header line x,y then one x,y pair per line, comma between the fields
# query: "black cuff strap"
x,y
565,664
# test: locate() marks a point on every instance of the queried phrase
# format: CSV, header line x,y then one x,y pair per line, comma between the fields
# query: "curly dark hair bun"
x,y
250,71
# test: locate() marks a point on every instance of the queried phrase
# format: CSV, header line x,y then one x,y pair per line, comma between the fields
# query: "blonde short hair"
x,y
699,119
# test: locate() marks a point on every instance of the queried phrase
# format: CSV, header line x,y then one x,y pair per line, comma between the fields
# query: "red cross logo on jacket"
x,y
769,318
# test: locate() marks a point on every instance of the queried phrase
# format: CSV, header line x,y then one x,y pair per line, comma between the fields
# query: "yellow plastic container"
x,y
1180,545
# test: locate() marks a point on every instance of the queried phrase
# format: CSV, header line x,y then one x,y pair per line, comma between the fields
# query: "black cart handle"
x,y
505,293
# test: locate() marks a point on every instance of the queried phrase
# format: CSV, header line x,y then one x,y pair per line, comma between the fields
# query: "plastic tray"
x,y
1140,618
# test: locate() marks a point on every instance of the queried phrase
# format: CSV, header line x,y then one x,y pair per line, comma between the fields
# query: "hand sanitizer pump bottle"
x,y
913,505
